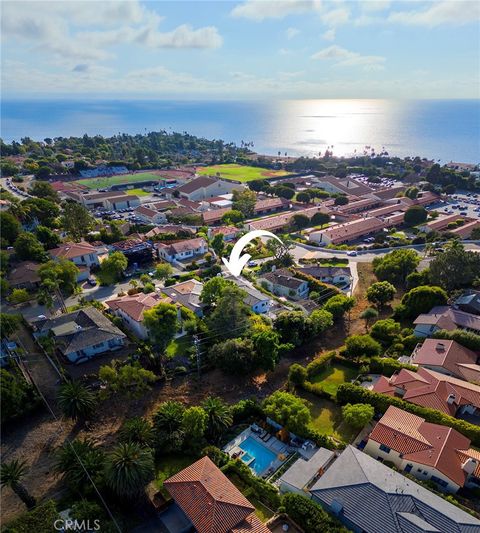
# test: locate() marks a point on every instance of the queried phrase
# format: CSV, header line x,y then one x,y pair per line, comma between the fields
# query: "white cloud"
x,y
291,33
259,10
336,17
183,36
347,58
375,5
454,13
329,35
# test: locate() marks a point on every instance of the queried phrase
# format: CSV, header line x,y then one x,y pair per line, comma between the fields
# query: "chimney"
x,y
451,399
440,347
469,465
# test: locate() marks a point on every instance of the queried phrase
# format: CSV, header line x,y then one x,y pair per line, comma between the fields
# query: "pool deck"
x,y
277,447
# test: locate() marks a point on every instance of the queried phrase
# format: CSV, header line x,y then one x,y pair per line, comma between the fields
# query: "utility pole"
x,y
196,343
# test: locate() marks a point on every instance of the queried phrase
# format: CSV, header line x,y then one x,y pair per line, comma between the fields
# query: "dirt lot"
x,y
35,438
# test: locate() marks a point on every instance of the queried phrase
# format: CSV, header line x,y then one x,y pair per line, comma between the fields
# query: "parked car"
x,y
352,253
92,282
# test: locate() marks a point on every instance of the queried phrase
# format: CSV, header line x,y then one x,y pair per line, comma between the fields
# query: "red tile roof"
x,y
72,249
135,305
433,445
211,501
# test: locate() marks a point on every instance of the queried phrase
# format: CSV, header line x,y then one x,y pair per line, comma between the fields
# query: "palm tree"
x,y
128,469
74,459
75,400
167,425
369,314
137,430
11,475
219,417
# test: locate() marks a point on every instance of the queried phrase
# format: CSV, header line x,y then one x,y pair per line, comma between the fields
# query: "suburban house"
x,y
283,283
182,250
424,450
210,502
24,276
257,301
348,231
167,228
214,216
80,253
428,388
447,357
131,308
469,302
187,293
81,335
229,233
149,215
303,473
205,187
444,317
328,274
136,250
369,497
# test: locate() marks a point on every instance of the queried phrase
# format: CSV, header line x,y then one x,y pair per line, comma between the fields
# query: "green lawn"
x,y
101,183
167,466
241,173
327,418
178,347
333,376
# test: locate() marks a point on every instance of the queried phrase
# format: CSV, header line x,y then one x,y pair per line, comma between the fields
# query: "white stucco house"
x,y
183,250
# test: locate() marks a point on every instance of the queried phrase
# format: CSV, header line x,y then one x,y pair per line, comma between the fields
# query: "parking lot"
x,y
463,204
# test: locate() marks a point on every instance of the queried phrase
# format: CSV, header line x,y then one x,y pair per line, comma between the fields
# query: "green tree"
x,y
162,324
194,427
230,316
16,394
455,268
300,221
385,331
380,293
293,327
27,246
416,214
11,475
320,219
19,296
235,356
368,315
76,400
163,271
62,274
219,417
357,415
396,265
358,346
128,469
281,251
47,237
284,192
420,300
297,374
304,197
137,430
113,267
321,320
11,227
43,189
218,244
289,411
341,200
74,459
168,426
213,290
132,380
266,344
339,304
41,209
244,201
234,216
76,220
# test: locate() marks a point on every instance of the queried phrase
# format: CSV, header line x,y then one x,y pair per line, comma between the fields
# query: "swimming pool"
x,y
263,456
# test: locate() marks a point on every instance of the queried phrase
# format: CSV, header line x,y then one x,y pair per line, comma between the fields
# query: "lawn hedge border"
x,y
349,393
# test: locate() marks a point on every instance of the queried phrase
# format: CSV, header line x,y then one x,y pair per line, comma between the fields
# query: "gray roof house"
x,y
301,475
283,283
81,335
187,293
255,299
469,302
370,497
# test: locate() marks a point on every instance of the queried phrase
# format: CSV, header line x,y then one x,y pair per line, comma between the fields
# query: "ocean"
x,y
444,130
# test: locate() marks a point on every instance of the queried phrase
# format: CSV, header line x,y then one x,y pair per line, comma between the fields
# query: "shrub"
x,y
420,300
387,366
358,346
39,520
297,374
216,455
319,363
246,410
465,338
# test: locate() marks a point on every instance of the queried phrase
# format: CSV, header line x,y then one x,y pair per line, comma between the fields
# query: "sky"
x,y
253,49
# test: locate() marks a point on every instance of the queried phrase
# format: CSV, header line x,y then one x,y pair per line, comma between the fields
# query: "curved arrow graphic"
x,y
236,262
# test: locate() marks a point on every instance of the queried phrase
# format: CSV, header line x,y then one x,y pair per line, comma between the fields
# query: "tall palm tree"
x,y
75,400
11,475
128,469
137,430
219,417
167,425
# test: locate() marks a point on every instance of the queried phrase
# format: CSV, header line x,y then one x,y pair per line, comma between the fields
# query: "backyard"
x,y
241,173
331,377
104,182
178,347
327,418
167,466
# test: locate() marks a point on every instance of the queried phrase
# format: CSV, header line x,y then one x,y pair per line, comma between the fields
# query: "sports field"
x,y
102,183
241,172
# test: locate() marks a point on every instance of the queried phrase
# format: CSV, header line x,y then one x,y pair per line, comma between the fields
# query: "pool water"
x,y
263,456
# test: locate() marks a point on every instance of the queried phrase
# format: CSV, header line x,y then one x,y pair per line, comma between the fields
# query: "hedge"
x,y
349,393
387,366
310,516
314,284
466,338
318,364
40,520
259,488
